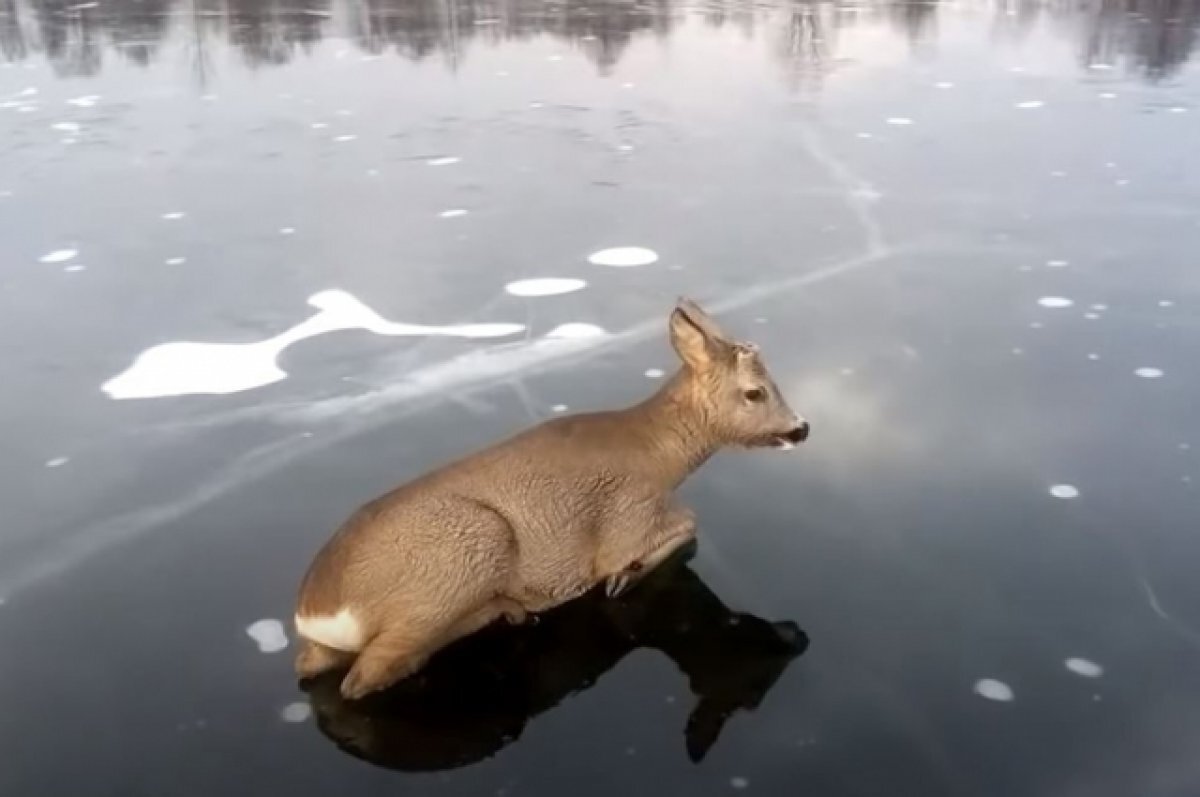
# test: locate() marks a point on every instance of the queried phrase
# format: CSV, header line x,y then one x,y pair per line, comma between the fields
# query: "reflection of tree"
x,y
805,42
270,31
12,40
1155,37
137,28
420,28
69,37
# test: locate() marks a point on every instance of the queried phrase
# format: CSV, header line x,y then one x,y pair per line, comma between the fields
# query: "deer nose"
x,y
798,434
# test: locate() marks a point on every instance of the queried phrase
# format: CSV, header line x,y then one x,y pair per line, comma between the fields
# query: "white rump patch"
x,y
342,631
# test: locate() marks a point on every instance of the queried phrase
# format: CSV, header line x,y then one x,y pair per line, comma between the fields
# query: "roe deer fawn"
x,y
534,520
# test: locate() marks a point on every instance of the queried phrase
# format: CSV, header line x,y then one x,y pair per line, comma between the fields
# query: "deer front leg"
x,y
679,529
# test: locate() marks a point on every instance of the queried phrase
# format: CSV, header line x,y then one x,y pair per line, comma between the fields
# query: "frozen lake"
x,y
262,260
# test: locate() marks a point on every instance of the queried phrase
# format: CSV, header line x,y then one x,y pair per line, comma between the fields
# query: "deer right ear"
x,y
690,341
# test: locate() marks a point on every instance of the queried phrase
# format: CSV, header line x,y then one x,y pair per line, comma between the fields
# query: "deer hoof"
x,y
618,584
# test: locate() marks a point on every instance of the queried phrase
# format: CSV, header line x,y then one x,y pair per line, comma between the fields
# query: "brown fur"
x,y
540,518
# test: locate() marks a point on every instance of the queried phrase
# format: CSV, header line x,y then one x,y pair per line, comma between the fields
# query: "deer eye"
x,y
755,394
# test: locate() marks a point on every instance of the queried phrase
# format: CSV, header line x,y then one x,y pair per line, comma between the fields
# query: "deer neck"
x,y
675,432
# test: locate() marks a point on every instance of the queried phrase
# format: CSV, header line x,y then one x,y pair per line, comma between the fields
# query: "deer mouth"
x,y
791,438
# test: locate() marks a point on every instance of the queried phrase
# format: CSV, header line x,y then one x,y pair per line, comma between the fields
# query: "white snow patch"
x,y
287,230
544,286
174,215
453,213
559,408
992,689
1149,373
447,161
900,121
1055,302
1166,303
623,257
59,256
57,462
186,367
1028,104
655,373
268,634
1058,263
1064,491
176,261
66,127
576,330
1084,667
345,138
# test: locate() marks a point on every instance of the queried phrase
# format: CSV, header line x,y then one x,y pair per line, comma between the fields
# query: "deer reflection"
x,y
476,697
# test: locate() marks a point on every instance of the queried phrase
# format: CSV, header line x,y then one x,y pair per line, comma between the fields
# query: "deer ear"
x,y
696,338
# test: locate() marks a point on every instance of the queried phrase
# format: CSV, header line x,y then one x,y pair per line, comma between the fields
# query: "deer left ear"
x,y
689,342
697,339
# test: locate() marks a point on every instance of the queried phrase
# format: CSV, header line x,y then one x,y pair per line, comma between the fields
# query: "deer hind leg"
x,y
396,653
315,658
389,656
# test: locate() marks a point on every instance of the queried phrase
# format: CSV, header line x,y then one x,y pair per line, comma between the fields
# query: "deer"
x,y
574,503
